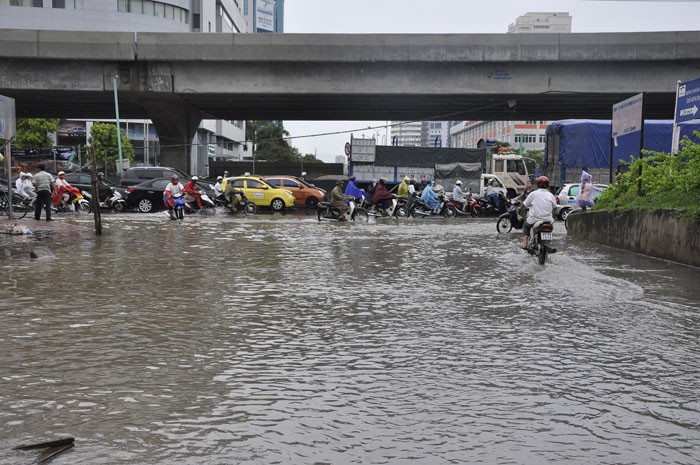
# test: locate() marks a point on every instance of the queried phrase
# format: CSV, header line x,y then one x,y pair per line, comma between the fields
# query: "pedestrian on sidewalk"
x,y
43,183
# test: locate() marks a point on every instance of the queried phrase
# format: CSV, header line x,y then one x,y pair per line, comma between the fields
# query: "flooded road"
x,y
282,340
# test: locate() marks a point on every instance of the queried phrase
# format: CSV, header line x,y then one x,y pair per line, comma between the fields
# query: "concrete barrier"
x,y
664,234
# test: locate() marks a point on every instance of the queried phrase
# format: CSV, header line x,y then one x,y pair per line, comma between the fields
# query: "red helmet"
x,y
543,181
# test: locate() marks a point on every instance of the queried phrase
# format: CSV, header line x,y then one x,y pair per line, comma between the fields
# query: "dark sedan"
x,y
147,196
83,181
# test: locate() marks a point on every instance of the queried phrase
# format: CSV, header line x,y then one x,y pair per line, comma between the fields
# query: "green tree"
x,y
103,139
34,133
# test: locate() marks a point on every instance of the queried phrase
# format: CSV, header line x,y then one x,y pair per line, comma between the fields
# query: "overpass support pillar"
x,y
176,124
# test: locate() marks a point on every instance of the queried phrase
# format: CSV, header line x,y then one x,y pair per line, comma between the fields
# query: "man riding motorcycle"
x,y
540,203
192,189
171,190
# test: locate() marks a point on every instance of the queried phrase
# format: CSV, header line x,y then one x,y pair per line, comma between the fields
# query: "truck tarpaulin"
x,y
586,143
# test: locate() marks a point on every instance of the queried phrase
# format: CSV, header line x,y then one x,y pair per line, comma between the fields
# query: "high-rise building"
x,y
541,22
217,139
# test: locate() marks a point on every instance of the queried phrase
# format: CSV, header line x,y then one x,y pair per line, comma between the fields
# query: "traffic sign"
x,y
688,101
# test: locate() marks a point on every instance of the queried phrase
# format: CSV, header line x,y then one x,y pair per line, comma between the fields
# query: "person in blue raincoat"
x,y
352,190
429,197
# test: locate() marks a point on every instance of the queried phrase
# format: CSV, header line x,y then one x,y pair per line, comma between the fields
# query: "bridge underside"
x,y
342,107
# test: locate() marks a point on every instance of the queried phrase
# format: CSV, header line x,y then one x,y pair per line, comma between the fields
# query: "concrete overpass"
x,y
176,79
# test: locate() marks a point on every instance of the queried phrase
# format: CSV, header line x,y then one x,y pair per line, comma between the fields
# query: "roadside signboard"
x,y
627,116
363,150
688,101
8,123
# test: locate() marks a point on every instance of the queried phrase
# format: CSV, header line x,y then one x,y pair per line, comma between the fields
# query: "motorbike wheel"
x,y
250,209
180,213
504,225
119,207
449,211
360,215
401,211
542,254
83,207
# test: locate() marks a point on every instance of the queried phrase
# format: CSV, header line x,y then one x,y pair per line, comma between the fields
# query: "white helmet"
x,y
459,183
195,178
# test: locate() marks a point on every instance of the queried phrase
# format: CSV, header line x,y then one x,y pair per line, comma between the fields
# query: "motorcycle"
x,y
191,202
395,209
115,201
178,211
488,208
540,240
244,205
473,207
327,212
510,219
419,209
75,202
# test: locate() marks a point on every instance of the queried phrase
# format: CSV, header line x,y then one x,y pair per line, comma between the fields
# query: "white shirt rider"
x,y
174,189
540,203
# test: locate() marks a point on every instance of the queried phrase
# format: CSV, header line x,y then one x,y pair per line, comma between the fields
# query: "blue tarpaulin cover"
x,y
585,143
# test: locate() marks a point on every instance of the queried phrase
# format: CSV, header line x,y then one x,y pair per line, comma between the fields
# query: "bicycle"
x,y
20,206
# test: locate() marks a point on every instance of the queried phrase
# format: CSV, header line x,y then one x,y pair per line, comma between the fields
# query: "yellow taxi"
x,y
263,194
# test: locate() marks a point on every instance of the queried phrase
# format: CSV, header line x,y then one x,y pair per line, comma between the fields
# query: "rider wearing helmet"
x,y
171,190
458,195
540,203
218,190
104,190
194,191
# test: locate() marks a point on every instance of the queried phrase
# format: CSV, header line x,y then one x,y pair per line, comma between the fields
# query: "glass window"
x,y
123,5
573,191
516,166
169,12
274,182
498,166
38,3
253,184
161,183
148,7
238,183
292,184
58,4
150,174
136,6
159,9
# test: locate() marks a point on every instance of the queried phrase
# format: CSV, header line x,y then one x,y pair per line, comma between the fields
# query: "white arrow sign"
x,y
689,111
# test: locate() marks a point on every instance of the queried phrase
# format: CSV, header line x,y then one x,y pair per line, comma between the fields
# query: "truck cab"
x,y
511,171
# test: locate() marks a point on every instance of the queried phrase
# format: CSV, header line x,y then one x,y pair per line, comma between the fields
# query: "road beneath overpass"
x,y
178,79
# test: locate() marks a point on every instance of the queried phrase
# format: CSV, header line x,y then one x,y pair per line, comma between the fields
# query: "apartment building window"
x,y
29,3
146,7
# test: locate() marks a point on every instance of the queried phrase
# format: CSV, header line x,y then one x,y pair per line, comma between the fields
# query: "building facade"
x,y
521,135
215,139
558,22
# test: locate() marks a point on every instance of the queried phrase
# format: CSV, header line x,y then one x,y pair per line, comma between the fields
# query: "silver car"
x,y
566,198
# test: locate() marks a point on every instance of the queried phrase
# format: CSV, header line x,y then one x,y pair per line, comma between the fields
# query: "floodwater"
x,y
282,340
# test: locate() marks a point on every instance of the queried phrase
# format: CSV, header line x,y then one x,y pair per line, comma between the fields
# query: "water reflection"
x,y
282,340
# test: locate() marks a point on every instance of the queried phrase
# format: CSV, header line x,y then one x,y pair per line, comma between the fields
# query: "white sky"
x,y
459,16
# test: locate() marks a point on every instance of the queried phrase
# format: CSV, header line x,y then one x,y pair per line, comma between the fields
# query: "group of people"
x,y
42,191
379,196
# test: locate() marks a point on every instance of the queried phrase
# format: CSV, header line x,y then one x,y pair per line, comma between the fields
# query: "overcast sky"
x,y
459,16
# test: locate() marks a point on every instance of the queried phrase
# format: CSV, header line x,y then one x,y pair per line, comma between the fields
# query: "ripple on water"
x,y
285,340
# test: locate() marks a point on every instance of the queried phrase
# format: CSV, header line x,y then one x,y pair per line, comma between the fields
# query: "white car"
x,y
566,198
